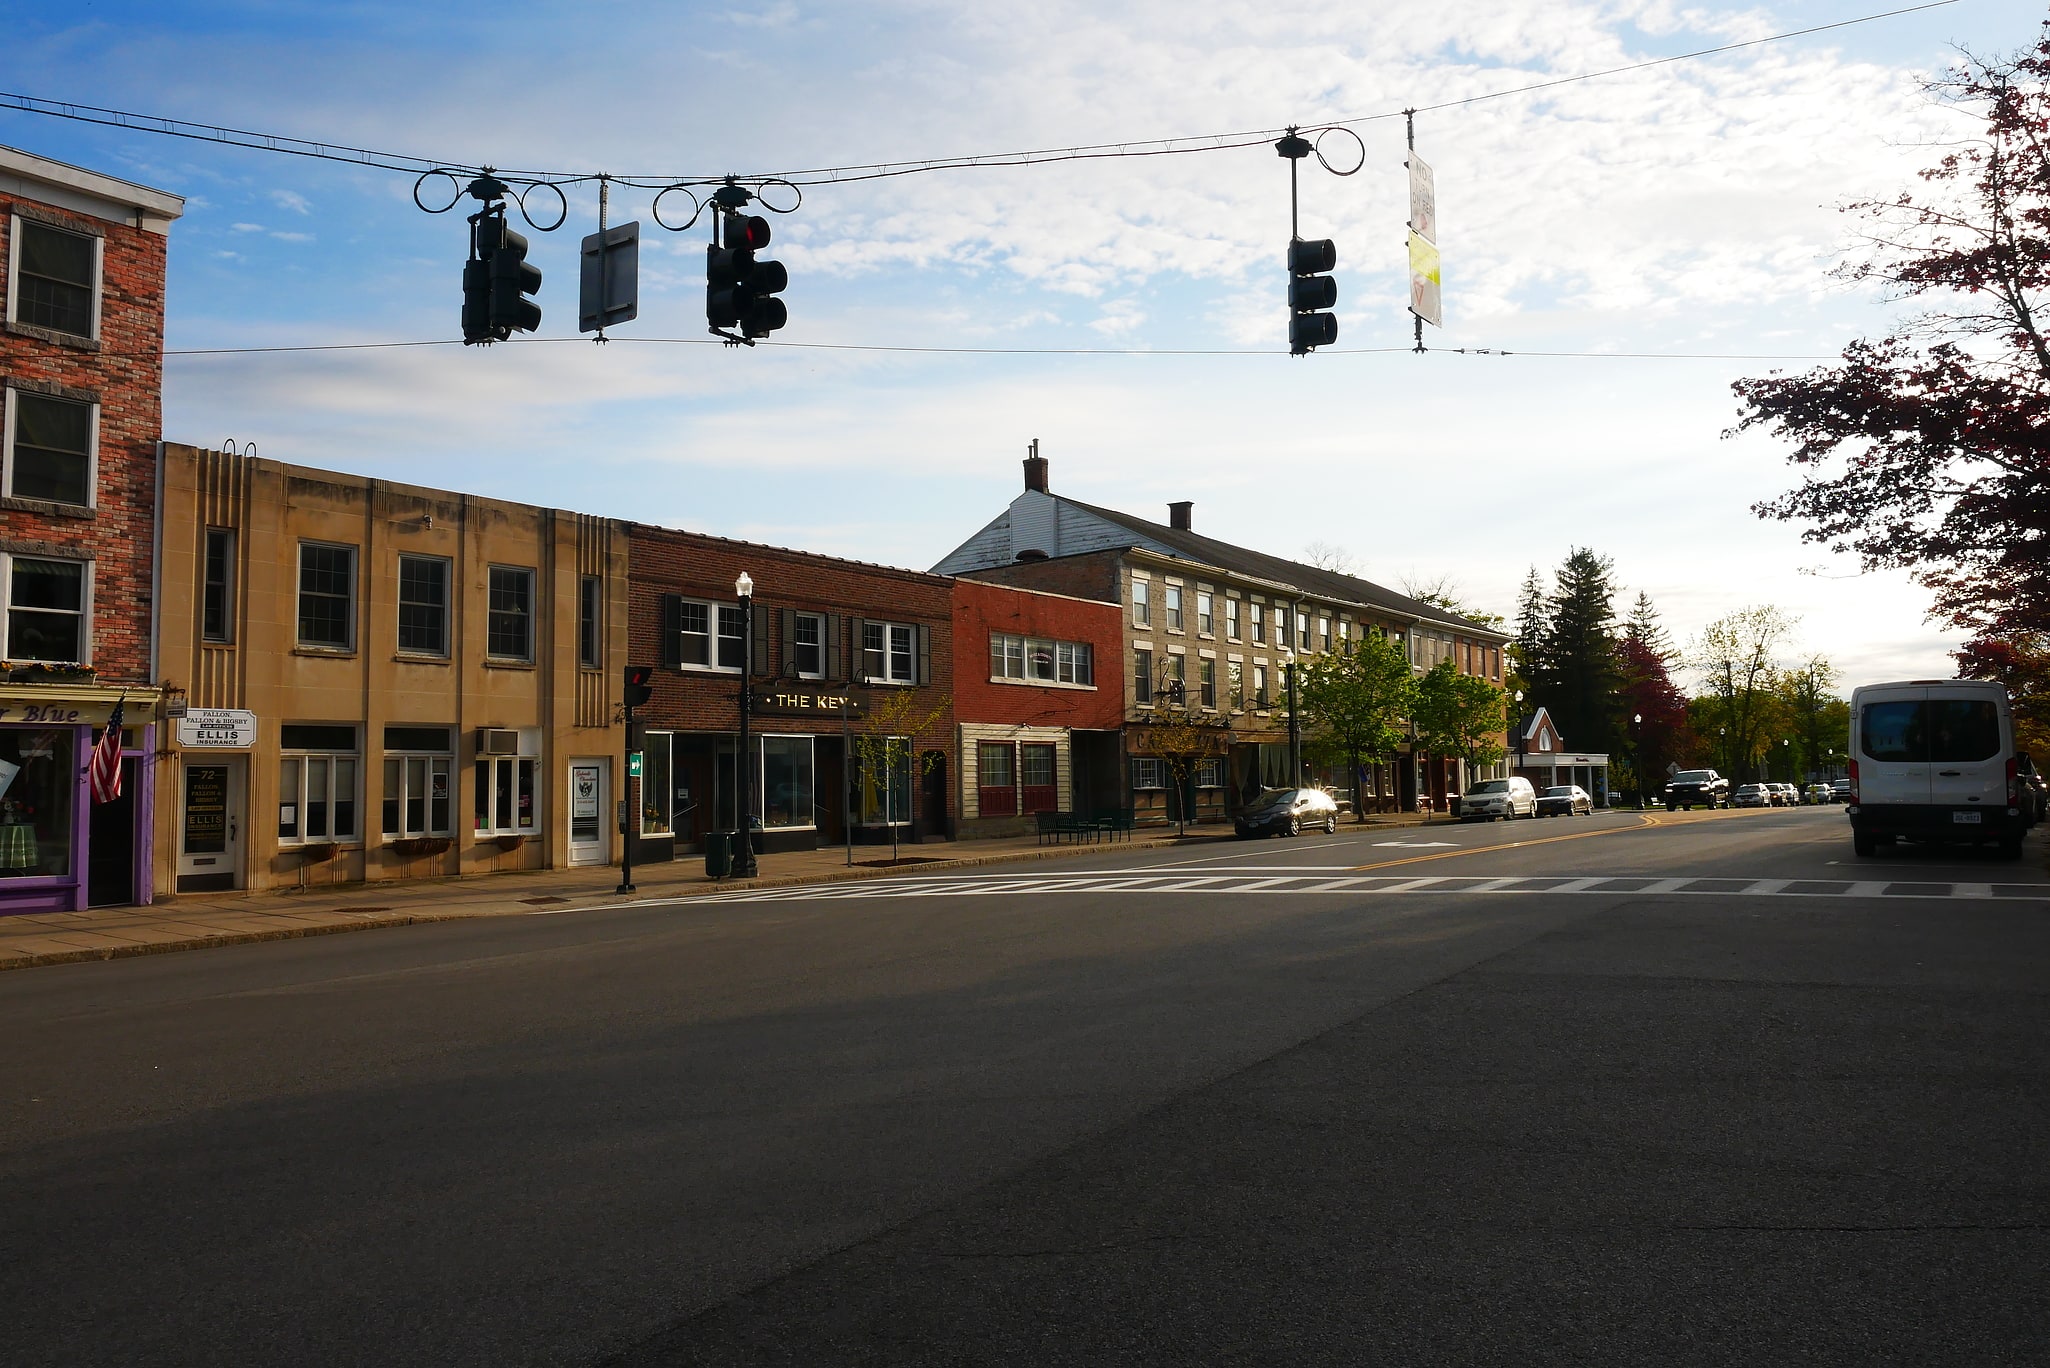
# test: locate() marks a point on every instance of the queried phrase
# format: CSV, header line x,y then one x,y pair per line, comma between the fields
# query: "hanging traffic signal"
x,y
1309,292
740,292
497,280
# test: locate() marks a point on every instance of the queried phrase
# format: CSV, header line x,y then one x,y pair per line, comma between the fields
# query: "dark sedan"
x,y
1565,800
1279,812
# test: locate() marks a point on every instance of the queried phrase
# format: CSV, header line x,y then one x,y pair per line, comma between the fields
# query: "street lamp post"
x,y
1637,755
1295,724
744,858
1786,759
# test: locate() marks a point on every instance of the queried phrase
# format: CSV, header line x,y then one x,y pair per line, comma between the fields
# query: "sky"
x,y
951,317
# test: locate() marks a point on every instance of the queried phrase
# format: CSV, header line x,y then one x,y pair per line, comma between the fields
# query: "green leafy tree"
x,y
1738,659
1818,722
886,744
1355,701
1180,738
1530,653
1460,715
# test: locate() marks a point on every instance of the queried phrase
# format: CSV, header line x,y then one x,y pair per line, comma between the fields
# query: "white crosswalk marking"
x,y
1327,881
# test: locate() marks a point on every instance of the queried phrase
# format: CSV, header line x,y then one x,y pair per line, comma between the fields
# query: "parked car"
x,y
1789,796
1818,793
1498,798
1840,790
1279,812
1934,760
1565,800
2033,787
1752,795
1697,788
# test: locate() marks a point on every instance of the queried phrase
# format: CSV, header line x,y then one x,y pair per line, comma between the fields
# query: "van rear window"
x,y
1963,729
1939,731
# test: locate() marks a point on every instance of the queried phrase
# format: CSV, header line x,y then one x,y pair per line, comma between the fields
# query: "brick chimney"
x,y
1035,468
1178,515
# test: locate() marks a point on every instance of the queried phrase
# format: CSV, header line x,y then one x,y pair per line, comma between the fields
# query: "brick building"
x,y
1039,730
386,682
81,358
1210,632
843,654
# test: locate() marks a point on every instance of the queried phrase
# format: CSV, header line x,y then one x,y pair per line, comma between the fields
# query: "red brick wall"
x,y
981,609
125,374
1093,575
662,561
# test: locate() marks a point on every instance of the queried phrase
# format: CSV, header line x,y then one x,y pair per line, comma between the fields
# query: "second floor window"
x,y
1029,658
1206,673
1142,604
509,631
1206,622
1258,617
50,448
1142,677
46,610
1259,686
423,605
1231,619
1174,608
808,645
888,652
327,595
55,275
1302,631
217,586
590,602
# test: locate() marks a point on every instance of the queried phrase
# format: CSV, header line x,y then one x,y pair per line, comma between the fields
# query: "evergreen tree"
x,y
1580,678
1528,654
1645,628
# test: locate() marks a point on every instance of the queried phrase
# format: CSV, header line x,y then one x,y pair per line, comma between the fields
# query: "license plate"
x,y
1968,818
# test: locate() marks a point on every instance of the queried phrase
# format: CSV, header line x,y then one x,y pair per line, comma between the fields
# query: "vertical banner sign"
x,y
1426,300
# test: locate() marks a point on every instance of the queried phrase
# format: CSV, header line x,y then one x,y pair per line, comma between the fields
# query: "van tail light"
x,y
1854,781
2013,782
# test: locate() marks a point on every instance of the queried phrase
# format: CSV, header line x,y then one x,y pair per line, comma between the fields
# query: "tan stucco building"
x,y
382,681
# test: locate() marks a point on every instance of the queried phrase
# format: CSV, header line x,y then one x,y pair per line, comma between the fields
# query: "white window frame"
x,y
92,444
85,610
298,762
506,768
432,763
1172,601
1142,603
819,620
1148,773
1256,613
714,620
1231,619
14,272
1206,613
890,632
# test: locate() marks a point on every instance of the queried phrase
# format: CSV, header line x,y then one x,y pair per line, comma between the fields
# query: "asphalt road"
x,y
1581,1090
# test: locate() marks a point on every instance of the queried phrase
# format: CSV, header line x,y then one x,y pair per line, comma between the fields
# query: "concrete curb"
x,y
594,902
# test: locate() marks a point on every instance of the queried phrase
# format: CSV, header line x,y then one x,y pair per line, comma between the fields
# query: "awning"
x,y
76,703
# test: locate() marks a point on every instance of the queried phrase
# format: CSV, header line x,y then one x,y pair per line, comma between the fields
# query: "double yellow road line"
x,y
1643,820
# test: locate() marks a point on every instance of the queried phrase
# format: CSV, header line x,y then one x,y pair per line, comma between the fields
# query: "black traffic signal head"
x,y
639,685
1309,291
740,292
497,280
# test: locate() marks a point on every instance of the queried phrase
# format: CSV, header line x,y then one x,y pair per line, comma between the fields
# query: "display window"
x,y
38,778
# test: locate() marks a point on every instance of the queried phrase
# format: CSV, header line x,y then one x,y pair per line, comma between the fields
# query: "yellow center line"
x,y
1646,820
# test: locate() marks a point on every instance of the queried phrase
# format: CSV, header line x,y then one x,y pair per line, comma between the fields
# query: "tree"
x,y
1737,658
1355,701
1580,677
1180,737
1819,723
1925,450
1530,653
1460,715
1442,591
885,744
1327,556
2022,663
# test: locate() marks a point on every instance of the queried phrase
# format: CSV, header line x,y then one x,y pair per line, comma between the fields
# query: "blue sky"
x,y
1689,207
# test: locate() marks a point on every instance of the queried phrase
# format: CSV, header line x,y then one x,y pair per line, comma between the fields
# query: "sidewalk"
x,y
196,921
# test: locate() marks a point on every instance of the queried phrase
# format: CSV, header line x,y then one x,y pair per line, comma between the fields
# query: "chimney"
x,y
1035,468
1178,515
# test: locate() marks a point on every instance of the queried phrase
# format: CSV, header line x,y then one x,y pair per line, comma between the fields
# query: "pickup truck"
x,y
1697,788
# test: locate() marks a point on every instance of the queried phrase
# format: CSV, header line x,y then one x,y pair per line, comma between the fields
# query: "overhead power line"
x,y
1026,351
1157,147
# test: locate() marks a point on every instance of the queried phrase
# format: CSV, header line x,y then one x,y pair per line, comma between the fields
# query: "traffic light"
x,y
1309,291
740,292
639,685
512,277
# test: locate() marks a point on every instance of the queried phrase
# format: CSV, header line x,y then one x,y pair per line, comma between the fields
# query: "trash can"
x,y
718,854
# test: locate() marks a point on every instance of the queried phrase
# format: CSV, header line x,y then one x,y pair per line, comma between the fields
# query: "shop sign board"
x,y
217,729
812,702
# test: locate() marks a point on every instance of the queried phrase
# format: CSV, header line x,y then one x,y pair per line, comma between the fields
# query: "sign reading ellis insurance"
x,y
217,729
810,702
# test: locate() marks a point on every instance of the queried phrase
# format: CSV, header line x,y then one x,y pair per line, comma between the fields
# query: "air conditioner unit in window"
x,y
498,741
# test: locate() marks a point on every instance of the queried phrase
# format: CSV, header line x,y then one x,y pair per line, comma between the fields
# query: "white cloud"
x,y
292,200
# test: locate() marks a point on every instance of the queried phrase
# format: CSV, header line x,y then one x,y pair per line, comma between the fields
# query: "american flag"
x,y
105,766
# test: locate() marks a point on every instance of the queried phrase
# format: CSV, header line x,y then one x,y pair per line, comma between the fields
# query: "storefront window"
x,y
786,792
416,786
38,769
655,814
891,802
505,795
317,783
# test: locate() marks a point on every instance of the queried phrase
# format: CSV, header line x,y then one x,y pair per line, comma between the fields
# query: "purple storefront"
x,y
59,850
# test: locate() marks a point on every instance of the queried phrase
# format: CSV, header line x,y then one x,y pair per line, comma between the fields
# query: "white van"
x,y
1933,760
1498,798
